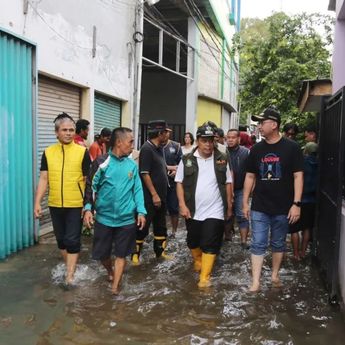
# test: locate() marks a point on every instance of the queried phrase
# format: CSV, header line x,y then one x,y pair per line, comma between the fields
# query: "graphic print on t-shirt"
x,y
270,167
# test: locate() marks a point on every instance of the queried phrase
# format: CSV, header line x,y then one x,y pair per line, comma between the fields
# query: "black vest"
x,y
190,177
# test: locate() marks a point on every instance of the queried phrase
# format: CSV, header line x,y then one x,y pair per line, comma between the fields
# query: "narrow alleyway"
x,y
160,303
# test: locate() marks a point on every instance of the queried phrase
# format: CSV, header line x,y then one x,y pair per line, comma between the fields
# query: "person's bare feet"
x,y
69,279
276,283
255,287
115,290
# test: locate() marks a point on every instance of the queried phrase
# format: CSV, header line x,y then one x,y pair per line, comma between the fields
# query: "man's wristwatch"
x,y
297,203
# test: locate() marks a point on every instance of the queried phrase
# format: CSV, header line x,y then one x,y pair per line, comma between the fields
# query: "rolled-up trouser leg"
x,y
73,221
67,225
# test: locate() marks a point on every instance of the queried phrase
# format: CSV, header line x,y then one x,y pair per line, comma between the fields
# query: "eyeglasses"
x,y
262,122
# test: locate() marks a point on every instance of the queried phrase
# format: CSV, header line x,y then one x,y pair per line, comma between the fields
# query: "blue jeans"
x,y
261,224
242,222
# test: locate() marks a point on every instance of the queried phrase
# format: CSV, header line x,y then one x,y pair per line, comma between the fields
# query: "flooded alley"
x,y
160,302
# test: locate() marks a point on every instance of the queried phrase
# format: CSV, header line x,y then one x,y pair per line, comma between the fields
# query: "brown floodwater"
x,y
160,302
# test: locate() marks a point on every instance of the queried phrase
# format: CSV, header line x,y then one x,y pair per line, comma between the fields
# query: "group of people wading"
x,y
204,181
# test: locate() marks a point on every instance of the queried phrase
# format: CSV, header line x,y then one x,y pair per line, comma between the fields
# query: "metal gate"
x,y
17,149
107,113
331,180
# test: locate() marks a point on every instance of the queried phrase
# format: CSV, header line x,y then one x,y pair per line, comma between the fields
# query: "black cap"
x,y
270,113
158,126
205,131
105,132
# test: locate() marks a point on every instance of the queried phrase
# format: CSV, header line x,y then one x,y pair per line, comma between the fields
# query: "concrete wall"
x,y
339,56
63,32
163,96
339,47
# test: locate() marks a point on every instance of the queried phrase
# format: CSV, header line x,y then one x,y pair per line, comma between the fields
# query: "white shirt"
x,y
208,201
186,150
221,147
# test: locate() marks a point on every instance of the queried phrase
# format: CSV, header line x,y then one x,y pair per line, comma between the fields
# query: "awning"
x,y
312,91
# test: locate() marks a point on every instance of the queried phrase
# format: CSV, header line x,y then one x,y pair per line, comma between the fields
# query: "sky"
x,y
264,8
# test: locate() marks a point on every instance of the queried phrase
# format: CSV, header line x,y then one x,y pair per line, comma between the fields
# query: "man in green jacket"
x,y
205,198
119,204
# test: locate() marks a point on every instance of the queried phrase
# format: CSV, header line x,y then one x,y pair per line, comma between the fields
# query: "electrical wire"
x,y
158,21
202,34
207,26
55,31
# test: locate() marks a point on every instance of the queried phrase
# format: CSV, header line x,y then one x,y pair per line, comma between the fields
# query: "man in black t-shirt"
x,y
275,170
153,172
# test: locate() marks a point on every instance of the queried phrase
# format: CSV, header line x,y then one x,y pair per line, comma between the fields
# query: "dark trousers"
x,y
156,216
67,225
206,235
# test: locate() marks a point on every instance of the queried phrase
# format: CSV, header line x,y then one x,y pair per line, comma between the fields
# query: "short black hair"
x,y
153,134
234,130
191,138
220,132
81,125
289,126
310,128
105,132
118,133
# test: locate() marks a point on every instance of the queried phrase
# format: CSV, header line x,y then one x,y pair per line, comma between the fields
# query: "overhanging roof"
x,y
225,104
309,98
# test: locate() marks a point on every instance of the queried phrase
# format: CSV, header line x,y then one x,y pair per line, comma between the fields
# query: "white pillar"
x,y
192,85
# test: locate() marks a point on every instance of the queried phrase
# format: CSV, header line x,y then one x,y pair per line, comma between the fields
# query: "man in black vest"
x,y
205,198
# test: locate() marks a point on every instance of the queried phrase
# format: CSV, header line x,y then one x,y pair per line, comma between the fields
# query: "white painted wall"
x,y
338,78
63,32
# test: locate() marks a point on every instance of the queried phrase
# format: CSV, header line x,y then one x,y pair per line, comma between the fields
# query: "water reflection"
x,y
160,302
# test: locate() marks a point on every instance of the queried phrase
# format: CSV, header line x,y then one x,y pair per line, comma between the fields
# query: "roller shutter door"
x,y
107,113
54,97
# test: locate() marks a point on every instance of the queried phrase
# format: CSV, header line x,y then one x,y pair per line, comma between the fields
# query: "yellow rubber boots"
x,y
207,262
136,253
196,254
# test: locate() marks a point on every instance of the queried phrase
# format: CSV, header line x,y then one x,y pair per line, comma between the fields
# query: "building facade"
x,y
188,73
113,63
81,63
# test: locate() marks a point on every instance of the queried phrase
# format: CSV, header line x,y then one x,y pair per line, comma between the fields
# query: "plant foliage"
x,y
276,55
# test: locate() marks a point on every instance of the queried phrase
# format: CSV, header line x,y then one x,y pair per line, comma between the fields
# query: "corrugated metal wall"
x,y
107,113
16,149
54,97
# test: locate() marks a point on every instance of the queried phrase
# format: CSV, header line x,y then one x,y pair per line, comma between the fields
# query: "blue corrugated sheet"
x,y
107,113
16,145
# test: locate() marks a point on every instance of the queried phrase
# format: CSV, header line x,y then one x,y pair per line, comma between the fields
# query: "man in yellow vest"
x,y
64,166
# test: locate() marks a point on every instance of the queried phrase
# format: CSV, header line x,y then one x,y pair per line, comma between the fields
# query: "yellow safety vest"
x,y
65,175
